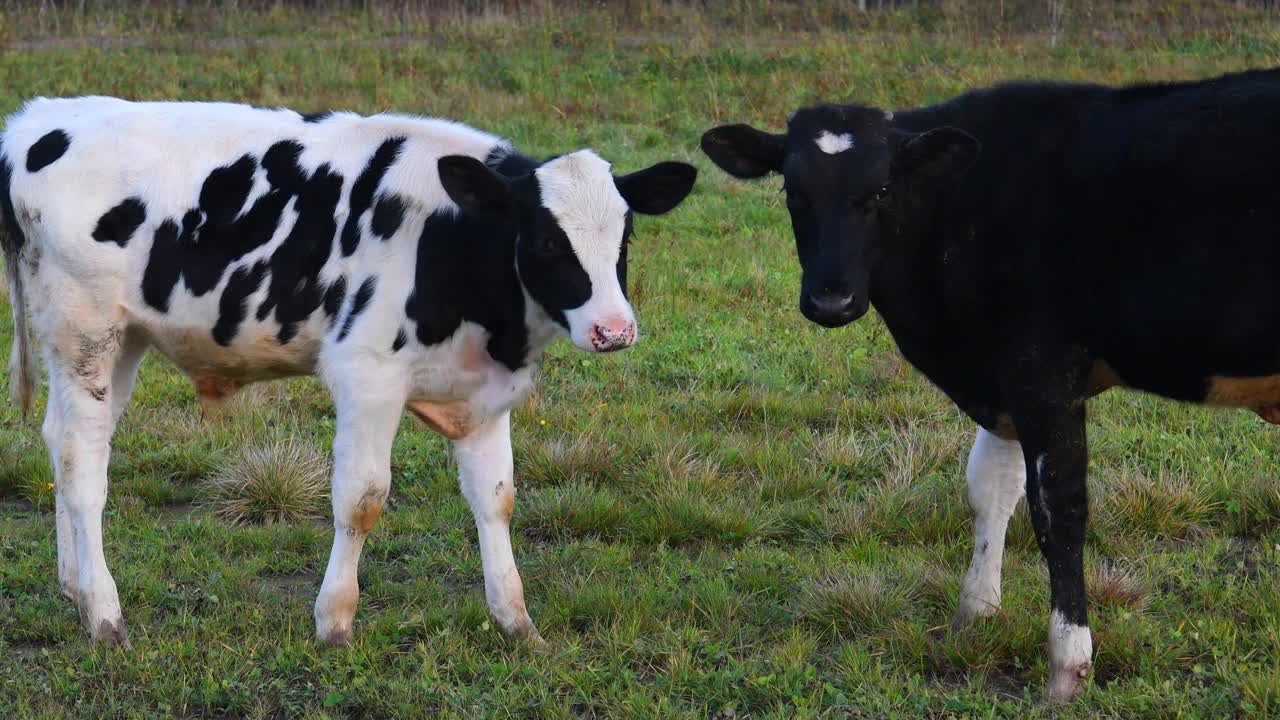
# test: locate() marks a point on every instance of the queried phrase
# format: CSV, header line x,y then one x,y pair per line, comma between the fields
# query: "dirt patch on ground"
x,y
28,650
177,511
289,585
18,512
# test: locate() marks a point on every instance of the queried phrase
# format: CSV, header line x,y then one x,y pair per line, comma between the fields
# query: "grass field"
x,y
767,520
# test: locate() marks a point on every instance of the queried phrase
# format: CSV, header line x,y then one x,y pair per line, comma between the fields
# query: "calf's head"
x,y
843,168
573,219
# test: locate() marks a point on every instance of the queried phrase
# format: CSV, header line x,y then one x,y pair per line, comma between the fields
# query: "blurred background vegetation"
x,y
1111,21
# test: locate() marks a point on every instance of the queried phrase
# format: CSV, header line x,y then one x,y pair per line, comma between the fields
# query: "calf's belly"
x,y
218,371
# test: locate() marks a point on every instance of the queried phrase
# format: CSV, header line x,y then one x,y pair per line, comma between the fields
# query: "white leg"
x,y
125,375
996,476
68,574
77,432
122,380
485,472
369,405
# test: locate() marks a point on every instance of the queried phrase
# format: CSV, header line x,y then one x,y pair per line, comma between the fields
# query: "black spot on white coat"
x,y
118,224
296,290
232,307
366,185
466,271
388,214
46,151
216,234
333,298
359,302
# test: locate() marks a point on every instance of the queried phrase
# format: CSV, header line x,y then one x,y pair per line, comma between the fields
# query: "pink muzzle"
x,y
612,335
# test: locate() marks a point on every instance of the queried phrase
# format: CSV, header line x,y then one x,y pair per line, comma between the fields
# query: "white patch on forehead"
x,y
833,144
579,192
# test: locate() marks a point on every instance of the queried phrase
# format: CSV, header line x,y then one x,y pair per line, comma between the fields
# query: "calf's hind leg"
x,y
77,431
368,415
485,469
996,476
123,376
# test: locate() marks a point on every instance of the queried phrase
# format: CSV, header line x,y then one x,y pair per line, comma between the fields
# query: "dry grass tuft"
x,y
566,459
1256,507
680,469
851,604
1109,584
284,482
1167,508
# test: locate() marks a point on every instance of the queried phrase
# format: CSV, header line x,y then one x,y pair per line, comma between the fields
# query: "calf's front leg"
x,y
368,415
1056,452
485,469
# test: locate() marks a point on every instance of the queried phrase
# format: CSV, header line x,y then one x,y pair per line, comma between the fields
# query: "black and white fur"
x,y
408,262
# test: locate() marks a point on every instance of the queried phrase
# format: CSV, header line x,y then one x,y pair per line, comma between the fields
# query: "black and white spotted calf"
x,y
1030,245
408,262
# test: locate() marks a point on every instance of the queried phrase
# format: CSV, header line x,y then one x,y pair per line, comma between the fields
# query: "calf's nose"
x,y
611,335
830,303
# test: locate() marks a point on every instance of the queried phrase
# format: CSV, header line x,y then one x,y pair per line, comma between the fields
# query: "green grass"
x,y
745,515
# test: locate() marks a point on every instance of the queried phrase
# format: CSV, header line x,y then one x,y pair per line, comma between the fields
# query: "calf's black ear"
x,y
657,189
474,186
743,151
938,154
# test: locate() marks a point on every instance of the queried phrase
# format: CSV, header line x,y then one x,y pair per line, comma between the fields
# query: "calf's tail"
x,y
22,366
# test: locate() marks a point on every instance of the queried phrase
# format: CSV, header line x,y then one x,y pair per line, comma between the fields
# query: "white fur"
x,y
1045,512
579,192
87,291
997,480
485,472
1070,658
832,144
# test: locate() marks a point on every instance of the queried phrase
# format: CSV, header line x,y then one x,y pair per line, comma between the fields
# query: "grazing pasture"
x,y
743,515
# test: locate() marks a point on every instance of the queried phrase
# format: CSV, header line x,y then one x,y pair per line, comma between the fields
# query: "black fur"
x,y
215,235
46,151
118,224
387,216
466,271
13,236
1016,239
333,297
401,339
296,290
363,190
316,117
359,302
232,306
163,266
212,237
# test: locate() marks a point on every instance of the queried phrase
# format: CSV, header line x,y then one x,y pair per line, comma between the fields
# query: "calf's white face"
x,y
573,220
578,191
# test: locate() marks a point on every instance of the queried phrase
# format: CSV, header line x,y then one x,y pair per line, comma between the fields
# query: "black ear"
x,y
938,154
473,185
657,189
743,151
